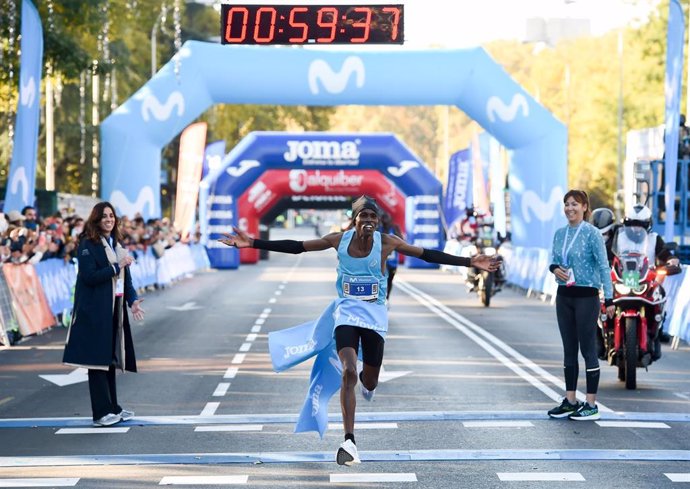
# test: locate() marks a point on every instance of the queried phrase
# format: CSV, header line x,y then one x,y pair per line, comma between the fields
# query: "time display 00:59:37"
x,y
320,24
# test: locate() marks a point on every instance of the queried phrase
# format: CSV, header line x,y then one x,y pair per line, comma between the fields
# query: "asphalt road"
x,y
463,403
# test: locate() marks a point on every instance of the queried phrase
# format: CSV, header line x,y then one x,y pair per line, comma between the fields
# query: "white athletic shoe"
x,y
367,394
108,420
347,454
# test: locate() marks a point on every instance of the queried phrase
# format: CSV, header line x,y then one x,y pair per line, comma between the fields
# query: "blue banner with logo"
x,y
213,157
673,81
459,189
22,176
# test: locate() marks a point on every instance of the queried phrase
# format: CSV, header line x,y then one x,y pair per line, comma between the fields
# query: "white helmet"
x,y
639,216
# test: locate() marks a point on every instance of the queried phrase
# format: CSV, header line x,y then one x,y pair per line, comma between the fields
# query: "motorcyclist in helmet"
x,y
604,220
640,215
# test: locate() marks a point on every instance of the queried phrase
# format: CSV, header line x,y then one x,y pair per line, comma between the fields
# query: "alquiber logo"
x,y
323,152
301,180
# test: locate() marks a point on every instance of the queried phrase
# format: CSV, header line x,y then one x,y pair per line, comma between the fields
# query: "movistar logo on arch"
x,y
332,153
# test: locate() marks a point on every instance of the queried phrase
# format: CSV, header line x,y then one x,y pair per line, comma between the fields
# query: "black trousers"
x,y
103,392
102,389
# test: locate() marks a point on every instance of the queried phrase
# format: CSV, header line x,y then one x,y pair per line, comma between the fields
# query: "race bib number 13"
x,y
362,288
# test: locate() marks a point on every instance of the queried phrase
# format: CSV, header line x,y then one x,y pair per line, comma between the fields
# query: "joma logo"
x,y
321,150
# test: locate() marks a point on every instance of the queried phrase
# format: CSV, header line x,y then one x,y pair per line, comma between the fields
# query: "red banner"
x,y
192,145
28,299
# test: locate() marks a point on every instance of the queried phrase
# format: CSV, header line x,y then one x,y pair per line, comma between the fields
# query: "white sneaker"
x,y
126,415
108,420
367,394
347,454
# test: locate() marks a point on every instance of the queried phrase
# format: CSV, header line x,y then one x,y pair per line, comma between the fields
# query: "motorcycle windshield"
x,y
630,246
630,240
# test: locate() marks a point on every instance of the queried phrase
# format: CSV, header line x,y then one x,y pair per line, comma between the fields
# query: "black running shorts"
x,y
372,343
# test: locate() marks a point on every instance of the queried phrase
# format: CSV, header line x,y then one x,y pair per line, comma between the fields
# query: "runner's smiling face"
x,y
366,222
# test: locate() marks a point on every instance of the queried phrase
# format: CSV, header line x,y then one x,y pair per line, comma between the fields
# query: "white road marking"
x,y
256,329
230,373
281,286
682,396
473,331
374,477
74,377
260,321
266,312
222,389
679,477
366,426
277,292
230,427
631,424
203,480
272,300
210,409
497,424
541,476
245,347
92,431
40,482
250,337
239,358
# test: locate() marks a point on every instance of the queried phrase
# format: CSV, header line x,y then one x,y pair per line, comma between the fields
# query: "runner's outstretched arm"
x,y
242,240
482,262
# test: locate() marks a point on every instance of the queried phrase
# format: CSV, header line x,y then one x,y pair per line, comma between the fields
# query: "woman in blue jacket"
x,y
581,269
99,338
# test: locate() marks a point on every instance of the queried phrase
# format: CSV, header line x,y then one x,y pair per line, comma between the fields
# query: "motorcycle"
x,y
631,339
484,283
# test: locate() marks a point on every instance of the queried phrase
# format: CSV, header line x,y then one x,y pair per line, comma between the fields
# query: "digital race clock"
x,y
306,24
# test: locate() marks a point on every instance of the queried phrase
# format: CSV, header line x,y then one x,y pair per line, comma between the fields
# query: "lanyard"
x,y
565,251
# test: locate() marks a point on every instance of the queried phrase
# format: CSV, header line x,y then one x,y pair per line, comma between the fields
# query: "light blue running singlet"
x,y
361,278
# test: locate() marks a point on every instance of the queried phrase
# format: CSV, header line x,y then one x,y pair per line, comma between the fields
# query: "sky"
x,y
466,23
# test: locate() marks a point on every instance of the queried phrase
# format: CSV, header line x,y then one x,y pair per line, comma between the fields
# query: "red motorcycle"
x,y
631,339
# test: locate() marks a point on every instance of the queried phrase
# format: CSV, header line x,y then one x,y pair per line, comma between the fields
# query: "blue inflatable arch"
x,y
134,134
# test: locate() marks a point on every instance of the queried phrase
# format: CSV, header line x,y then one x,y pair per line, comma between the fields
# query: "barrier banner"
x,y
8,321
191,160
58,279
28,299
22,177
143,270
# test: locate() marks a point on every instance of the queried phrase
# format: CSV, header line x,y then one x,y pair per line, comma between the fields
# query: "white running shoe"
x,y
367,394
347,454
126,415
108,420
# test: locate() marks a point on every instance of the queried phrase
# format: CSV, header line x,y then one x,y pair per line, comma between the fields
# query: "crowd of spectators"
x,y
26,237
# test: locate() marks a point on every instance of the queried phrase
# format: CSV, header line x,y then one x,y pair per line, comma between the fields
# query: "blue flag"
x,y
459,188
22,178
213,157
674,78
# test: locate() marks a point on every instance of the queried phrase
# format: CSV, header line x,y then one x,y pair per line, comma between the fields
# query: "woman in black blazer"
x,y
99,337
